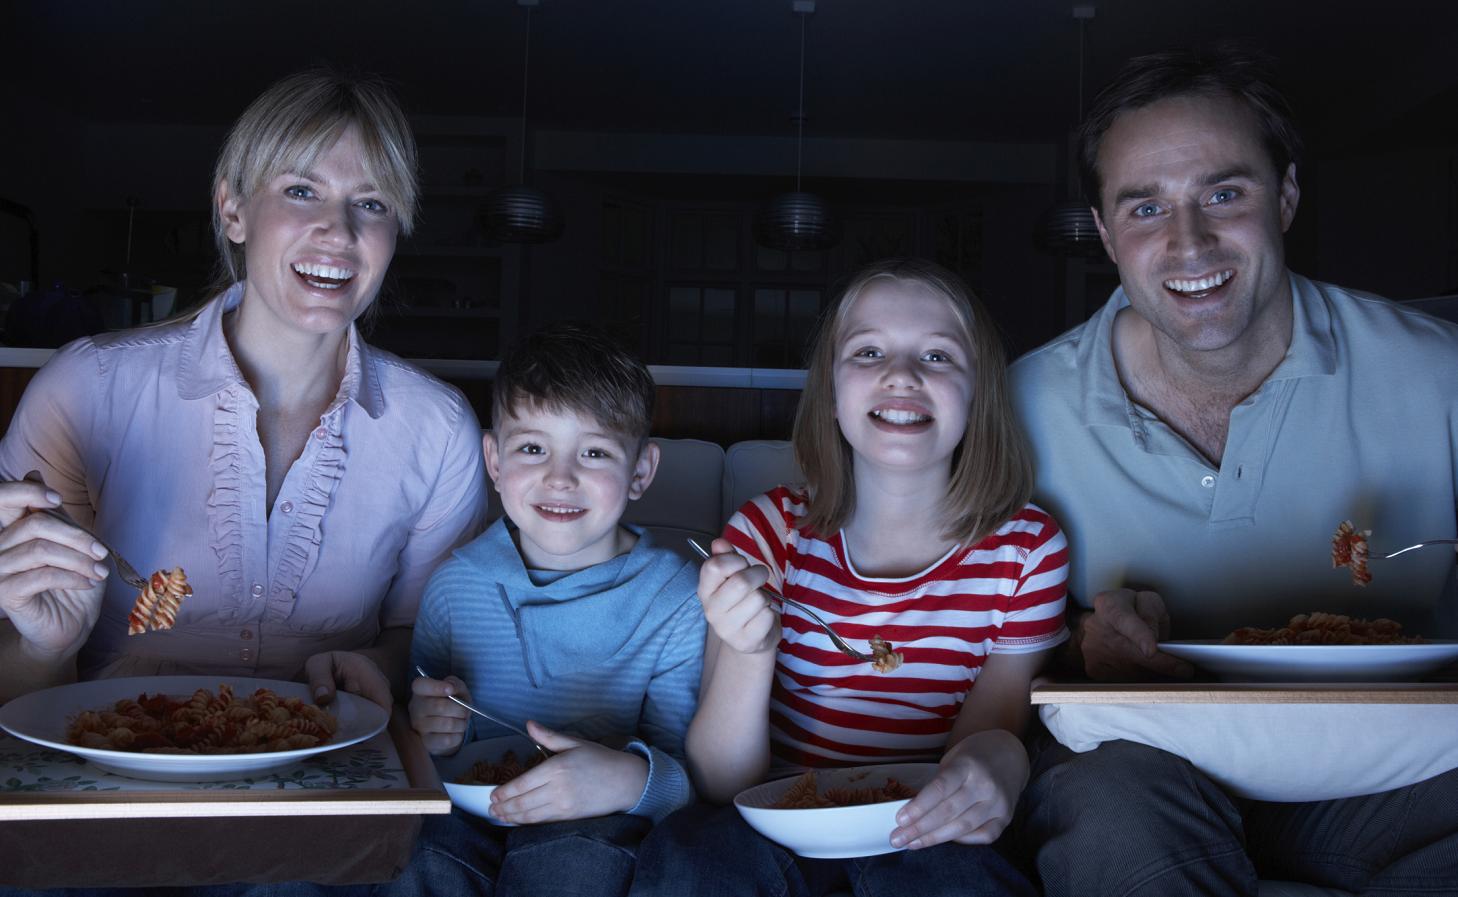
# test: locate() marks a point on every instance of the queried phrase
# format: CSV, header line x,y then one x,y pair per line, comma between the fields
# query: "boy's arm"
x,y
667,709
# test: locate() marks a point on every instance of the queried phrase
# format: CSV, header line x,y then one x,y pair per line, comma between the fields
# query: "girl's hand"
x,y
583,779
440,721
739,613
51,574
972,797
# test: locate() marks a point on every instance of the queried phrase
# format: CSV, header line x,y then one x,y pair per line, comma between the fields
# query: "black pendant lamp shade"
x,y
1068,228
521,214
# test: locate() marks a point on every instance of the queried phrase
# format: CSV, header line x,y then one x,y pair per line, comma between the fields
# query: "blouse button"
x,y
246,634
320,433
257,590
287,507
245,654
1207,481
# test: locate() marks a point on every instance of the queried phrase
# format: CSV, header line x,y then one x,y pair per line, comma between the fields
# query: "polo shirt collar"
x,y
1312,353
207,365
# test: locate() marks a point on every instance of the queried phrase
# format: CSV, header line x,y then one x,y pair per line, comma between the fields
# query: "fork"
x,y
126,571
836,640
1420,545
500,722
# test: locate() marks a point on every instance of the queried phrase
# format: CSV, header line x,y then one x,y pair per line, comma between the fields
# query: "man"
x,y
1199,439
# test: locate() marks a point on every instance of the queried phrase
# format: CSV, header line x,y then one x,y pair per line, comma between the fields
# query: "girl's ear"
x,y
230,212
644,469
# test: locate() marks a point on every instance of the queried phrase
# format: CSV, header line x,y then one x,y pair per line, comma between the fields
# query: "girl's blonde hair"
x,y
297,120
992,474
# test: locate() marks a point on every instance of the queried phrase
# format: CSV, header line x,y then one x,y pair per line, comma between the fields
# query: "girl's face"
x,y
317,243
903,377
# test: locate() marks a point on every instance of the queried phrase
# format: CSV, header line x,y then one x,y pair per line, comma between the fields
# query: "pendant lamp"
x,y
522,214
797,220
1068,228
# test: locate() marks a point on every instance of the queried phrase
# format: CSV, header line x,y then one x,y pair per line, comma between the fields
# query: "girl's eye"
x,y
935,355
867,352
299,191
372,205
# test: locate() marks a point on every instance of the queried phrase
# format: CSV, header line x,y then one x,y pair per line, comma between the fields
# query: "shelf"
x,y
479,313
463,252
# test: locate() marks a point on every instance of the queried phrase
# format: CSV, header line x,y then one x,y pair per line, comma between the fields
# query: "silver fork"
x,y
484,715
835,639
126,571
1420,545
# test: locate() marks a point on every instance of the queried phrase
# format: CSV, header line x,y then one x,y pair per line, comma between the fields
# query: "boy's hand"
x,y
584,779
735,608
440,721
972,797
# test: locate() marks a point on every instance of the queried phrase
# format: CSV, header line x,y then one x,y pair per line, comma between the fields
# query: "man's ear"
x,y
644,469
1104,235
492,454
1290,197
230,212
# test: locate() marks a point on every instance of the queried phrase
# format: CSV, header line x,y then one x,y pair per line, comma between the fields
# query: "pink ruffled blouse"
x,y
151,435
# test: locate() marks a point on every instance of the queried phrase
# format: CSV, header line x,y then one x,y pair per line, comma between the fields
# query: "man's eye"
x,y
1146,210
1222,196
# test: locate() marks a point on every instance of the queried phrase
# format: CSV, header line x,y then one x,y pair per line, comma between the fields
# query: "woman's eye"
x,y
298,191
372,205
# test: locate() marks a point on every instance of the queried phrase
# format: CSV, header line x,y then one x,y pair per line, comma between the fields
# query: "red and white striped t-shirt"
x,y
1003,595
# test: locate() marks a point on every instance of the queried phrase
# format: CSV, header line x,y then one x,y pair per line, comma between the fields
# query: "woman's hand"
x,y
350,669
583,779
734,606
972,797
51,573
441,722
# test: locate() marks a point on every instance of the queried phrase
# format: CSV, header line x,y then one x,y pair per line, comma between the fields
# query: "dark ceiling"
x,y
996,70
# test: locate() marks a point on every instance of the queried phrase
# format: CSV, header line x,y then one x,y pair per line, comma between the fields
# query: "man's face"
x,y
1193,213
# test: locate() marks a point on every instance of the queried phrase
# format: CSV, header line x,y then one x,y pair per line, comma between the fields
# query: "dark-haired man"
x,y
1199,439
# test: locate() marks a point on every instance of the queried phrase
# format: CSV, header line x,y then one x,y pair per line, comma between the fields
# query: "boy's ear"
x,y
643,470
493,457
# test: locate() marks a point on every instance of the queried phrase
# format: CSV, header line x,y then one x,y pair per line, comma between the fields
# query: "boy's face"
x,y
564,481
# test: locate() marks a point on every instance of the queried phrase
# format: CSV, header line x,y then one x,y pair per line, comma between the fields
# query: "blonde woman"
x,y
306,482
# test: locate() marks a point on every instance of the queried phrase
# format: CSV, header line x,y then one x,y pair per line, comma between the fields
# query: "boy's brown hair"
x,y
574,367
992,474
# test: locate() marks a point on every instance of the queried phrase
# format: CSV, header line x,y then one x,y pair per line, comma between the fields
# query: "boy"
x,y
564,617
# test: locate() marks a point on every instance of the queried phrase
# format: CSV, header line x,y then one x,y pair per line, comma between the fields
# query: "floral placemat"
x,y
31,769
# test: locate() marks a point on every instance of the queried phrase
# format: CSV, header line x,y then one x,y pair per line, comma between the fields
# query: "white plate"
x,y
476,799
833,832
42,717
1315,663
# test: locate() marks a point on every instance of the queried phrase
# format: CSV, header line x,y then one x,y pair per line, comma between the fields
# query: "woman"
x,y
307,483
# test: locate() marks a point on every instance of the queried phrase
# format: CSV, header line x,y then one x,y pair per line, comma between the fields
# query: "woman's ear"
x,y
644,470
230,213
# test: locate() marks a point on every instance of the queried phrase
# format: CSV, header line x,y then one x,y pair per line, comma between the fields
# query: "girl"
x,y
915,526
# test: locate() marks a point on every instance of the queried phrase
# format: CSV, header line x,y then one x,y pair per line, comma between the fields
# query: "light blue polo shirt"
x,y
1358,422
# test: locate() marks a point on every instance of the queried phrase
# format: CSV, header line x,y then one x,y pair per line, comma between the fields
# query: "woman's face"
x,y
316,243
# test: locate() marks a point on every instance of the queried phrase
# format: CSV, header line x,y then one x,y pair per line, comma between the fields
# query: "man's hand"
x,y
440,721
1120,639
353,671
583,779
971,798
51,573
734,606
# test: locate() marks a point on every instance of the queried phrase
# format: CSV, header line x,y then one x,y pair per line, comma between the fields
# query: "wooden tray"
x,y
1048,691
156,835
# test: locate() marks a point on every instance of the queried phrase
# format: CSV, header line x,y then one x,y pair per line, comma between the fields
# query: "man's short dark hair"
x,y
577,368
1220,71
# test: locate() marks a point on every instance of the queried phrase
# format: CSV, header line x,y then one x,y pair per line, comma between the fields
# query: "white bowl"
x,y
833,832
476,799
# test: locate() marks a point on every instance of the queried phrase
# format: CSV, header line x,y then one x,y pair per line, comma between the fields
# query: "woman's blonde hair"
x,y
992,474
297,120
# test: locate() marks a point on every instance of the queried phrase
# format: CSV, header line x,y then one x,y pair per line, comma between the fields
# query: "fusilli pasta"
x,y
157,603
205,723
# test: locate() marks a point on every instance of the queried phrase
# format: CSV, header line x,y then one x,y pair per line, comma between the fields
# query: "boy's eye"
x,y
299,191
597,453
531,448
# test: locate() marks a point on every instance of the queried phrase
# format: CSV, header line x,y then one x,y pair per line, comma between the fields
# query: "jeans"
x,y
710,851
1127,819
461,854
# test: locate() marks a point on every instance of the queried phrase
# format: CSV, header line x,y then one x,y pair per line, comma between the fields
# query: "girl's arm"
x,y
972,797
728,740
